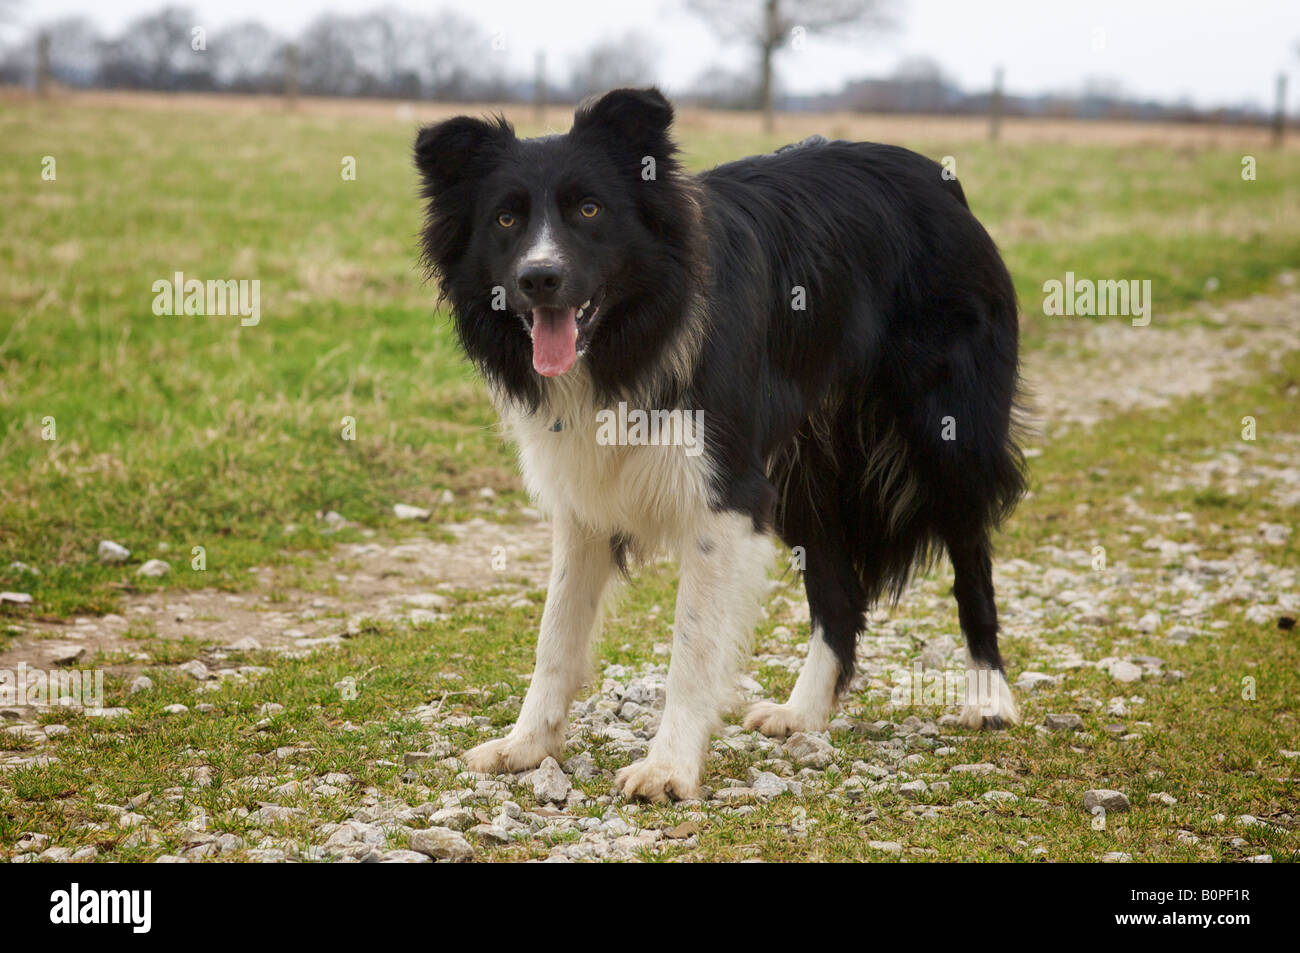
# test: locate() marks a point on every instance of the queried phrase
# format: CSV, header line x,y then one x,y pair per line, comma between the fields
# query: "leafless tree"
x,y
383,41
154,52
329,61
614,63
448,53
772,25
74,50
248,57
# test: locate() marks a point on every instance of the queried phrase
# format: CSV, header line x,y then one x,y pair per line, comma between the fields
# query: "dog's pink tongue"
x,y
555,340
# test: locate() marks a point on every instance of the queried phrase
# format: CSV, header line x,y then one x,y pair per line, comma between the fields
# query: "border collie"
x,y
832,317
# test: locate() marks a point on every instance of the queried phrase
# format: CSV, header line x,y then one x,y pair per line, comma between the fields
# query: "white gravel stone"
x,y
1125,671
1029,681
766,784
441,843
490,833
154,569
912,790
111,552
195,669
1148,624
1068,721
405,857
550,783
404,511
108,713
271,813
809,750
1113,801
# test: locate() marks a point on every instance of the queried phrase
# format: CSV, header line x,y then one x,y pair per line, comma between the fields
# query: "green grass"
x,y
174,432
1214,750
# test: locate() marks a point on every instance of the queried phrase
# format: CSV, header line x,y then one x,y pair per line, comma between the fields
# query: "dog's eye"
x,y
506,220
589,209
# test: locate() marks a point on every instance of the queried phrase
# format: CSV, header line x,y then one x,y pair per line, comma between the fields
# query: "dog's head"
x,y
565,247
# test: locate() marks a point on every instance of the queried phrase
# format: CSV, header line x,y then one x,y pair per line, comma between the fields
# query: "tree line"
x,y
385,52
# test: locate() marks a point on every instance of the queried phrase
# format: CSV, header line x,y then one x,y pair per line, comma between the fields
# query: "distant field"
x,y
191,431
885,127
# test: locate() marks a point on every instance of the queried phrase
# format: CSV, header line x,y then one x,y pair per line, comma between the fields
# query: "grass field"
x,y
173,432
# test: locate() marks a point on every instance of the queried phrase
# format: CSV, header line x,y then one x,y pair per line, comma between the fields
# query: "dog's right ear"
x,y
460,149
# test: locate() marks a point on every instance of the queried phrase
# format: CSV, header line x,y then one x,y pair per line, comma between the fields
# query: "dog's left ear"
x,y
634,119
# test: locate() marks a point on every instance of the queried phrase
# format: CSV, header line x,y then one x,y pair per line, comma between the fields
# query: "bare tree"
x,y
772,25
383,40
153,52
329,62
73,51
614,63
448,55
248,57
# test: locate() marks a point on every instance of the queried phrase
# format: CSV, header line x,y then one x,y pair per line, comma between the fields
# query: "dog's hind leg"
x,y
836,603
723,576
580,570
989,702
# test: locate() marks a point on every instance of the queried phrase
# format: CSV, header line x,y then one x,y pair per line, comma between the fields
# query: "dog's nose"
x,y
540,280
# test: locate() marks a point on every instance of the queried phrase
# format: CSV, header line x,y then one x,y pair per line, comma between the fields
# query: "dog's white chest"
x,y
614,471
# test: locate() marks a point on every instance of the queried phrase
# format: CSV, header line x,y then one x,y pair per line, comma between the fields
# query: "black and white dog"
x,y
834,329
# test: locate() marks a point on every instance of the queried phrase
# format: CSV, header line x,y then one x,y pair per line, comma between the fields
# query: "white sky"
x,y
1212,52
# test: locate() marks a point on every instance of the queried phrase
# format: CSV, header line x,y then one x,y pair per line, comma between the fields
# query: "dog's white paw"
x,y
995,706
781,721
658,781
510,755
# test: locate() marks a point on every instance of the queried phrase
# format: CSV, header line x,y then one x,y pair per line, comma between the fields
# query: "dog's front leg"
x,y
723,576
581,565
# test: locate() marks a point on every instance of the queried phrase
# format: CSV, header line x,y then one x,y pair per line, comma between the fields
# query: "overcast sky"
x,y
1212,52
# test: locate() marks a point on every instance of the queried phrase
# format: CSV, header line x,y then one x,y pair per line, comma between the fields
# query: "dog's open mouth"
x,y
559,335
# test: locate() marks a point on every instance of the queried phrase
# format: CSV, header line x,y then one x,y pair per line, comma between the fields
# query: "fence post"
x,y
43,64
291,76
995,106
1279,114
539,87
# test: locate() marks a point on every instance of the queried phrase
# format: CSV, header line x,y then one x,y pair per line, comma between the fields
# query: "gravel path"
x,y
1110,368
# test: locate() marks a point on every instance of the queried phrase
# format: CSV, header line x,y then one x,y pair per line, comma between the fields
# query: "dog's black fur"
x,y
826,424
